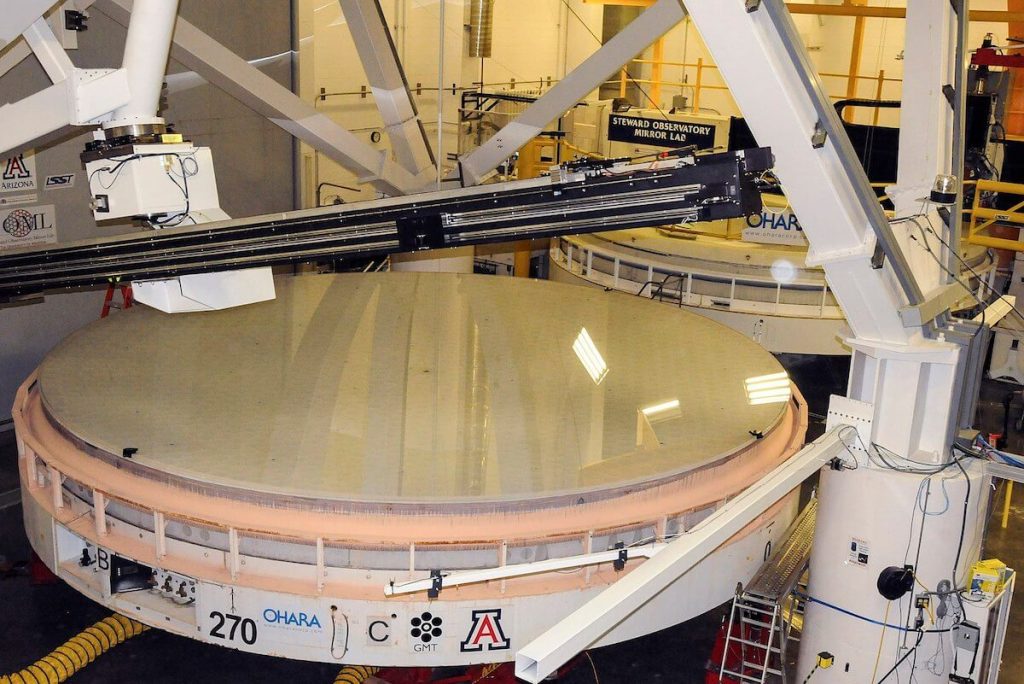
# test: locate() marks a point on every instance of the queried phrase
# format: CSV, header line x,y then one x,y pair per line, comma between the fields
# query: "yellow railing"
x,y
982,219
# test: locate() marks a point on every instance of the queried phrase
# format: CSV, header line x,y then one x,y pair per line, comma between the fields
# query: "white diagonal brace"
x,y
585,626
19,15
264,95
48,50
383,70
761,58
629,42
15,53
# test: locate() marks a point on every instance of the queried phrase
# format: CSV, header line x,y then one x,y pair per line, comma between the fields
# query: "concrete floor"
x,y
35,618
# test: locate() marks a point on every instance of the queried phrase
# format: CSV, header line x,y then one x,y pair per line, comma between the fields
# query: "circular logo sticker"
x,y
18,223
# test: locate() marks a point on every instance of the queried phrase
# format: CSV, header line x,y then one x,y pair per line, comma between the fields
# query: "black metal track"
x,y
700,188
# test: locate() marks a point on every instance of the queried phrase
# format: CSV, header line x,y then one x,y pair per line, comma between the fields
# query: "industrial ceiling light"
x,y
588,355
767,389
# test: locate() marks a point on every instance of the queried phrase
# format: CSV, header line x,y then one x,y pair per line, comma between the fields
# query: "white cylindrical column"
x,y
145,59
869,519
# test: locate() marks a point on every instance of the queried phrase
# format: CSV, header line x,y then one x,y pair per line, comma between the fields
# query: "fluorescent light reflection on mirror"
x,y
663,411
588,355
767,389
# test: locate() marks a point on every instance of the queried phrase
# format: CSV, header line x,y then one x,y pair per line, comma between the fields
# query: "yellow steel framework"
x,y
983,218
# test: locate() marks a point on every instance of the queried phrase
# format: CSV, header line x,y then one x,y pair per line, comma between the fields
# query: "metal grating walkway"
x,y
776,578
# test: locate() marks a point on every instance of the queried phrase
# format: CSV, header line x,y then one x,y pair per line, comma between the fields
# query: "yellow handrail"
x,y
983,218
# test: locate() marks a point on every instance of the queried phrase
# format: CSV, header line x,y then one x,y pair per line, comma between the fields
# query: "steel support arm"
x,y
761,58
582,628
264,95
629,42
390,88
83,98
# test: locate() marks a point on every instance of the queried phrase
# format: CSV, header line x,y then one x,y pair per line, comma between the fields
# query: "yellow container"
x,y
988,577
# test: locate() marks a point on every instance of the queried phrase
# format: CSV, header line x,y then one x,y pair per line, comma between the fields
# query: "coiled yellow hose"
x,y
77,652
351,674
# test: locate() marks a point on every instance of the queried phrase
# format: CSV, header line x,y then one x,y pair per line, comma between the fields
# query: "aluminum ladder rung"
x,y
742,677
764,601
756,644
748,621
759,666
762,611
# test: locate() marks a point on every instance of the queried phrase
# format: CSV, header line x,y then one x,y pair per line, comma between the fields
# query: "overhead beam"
x,y
265,96
390,88
595,70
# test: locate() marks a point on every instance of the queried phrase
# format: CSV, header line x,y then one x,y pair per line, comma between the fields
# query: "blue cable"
x,y
811,599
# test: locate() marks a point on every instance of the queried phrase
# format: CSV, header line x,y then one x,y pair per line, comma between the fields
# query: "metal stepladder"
x,y
762,614
108,299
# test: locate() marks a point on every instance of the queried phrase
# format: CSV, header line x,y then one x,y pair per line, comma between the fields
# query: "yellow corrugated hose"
x,y
77,652
354,674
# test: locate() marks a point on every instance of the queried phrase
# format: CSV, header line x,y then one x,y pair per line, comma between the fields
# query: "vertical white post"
x,y
145,59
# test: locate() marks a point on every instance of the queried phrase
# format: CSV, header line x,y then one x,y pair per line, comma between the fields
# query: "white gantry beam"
x,y
264,95
390,89
761,58
583,627
576,85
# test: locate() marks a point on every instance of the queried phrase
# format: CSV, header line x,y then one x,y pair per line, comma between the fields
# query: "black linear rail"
x,y
700,188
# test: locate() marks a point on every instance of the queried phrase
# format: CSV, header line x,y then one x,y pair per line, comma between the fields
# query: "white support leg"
x,y
926,146
384,71
640,33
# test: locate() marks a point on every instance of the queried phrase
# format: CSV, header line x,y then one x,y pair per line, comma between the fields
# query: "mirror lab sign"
x,y
660,132
26,226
